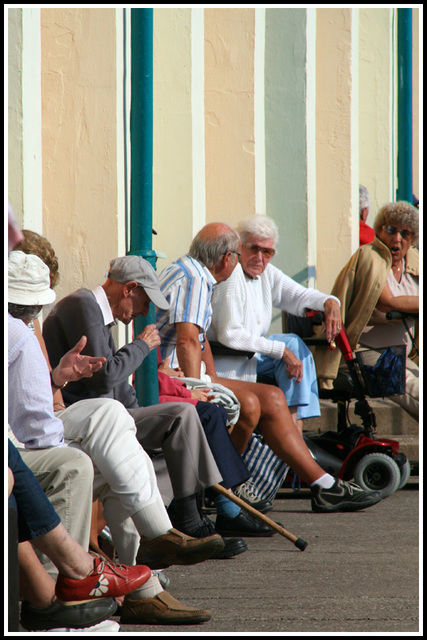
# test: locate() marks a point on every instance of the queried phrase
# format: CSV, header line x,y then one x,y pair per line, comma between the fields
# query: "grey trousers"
x,y
410,400
186,464
66,476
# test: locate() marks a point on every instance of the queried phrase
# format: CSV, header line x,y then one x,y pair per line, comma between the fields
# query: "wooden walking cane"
x,y
298,542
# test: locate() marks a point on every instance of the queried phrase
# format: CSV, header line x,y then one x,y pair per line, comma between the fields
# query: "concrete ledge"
x,y
390,418
409,445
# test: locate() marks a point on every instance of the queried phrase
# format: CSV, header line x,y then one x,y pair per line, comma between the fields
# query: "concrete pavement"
x,y
359,574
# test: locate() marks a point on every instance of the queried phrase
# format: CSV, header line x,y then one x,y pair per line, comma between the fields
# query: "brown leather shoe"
x,y
177,548
162,609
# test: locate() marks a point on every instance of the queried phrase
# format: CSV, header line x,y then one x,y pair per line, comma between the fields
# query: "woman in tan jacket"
x,y
380,277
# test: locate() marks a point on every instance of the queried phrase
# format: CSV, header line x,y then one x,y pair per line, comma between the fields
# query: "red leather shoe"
x,y
107,580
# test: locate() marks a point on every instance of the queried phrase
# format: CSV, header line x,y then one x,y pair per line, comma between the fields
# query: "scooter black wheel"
x,y
378,472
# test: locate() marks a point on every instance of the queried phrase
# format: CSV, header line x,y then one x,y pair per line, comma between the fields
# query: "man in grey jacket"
x,y
173,429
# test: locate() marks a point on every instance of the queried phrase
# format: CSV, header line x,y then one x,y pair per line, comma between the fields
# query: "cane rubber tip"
x,y
301,544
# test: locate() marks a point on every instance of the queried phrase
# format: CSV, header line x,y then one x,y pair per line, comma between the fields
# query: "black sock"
x,y
187,516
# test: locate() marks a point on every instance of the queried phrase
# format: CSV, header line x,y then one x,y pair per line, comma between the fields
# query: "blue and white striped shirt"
x,y
188,286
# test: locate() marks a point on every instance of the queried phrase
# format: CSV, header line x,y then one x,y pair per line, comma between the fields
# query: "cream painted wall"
x,y
229,109
172,133
337,200
81,128
375,106
79,114
378,106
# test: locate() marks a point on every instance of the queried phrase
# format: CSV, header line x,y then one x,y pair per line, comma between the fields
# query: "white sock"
x,y
326,481
152,521
148,590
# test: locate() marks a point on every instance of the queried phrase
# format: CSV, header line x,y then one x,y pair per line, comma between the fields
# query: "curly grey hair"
x,y
208,246
260,226
399,213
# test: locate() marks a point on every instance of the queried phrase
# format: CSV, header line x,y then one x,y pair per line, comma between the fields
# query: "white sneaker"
x,y
247,492
106,535
106,626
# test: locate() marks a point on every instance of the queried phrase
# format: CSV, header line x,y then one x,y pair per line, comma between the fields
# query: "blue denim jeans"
x,y
36,516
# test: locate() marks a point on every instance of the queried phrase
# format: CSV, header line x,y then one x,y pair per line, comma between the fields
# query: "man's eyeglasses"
x,y
254,248
236,252
405,233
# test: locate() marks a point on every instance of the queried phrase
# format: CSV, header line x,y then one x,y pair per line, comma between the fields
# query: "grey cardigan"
x,y
79,314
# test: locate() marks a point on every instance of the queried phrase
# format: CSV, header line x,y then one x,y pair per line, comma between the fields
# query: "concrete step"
x,y
409,445
391,422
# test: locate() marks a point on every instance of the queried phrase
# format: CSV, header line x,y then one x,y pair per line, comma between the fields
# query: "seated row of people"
x,y
118,470
225,289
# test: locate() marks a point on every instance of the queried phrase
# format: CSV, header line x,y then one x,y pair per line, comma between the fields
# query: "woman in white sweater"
x,y
242,311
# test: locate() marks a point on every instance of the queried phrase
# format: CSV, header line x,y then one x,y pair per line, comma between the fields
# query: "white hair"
x,y
260,226
364,200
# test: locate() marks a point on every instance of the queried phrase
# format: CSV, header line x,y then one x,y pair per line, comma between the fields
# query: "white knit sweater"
x,y
242,311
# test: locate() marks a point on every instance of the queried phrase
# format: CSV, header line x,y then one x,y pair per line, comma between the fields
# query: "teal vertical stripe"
x,y
285,140
141,178
404,104
285,126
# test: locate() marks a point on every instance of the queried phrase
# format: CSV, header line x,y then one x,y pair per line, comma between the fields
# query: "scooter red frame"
x,y
341,452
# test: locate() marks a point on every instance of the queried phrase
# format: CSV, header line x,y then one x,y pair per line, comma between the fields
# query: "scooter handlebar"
x,y
399,315
344,345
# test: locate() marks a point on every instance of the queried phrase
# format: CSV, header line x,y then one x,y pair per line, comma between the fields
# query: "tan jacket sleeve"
x,y
358,286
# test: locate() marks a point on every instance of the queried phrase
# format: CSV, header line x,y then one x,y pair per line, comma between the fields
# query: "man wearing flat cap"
x,y
173,429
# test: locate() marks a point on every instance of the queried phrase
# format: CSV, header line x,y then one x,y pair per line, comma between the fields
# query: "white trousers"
x,y
124,477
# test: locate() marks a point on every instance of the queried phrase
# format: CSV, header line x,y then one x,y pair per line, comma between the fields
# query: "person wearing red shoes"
x,y
127,487
86,585
160,544
105,580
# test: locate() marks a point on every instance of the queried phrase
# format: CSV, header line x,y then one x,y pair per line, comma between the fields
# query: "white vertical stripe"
x,y
32,121
259,112
311,143
198,117
120,134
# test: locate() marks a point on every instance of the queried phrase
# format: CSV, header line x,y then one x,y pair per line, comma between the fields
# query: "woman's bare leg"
x,y
67,555
297,422
35,584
